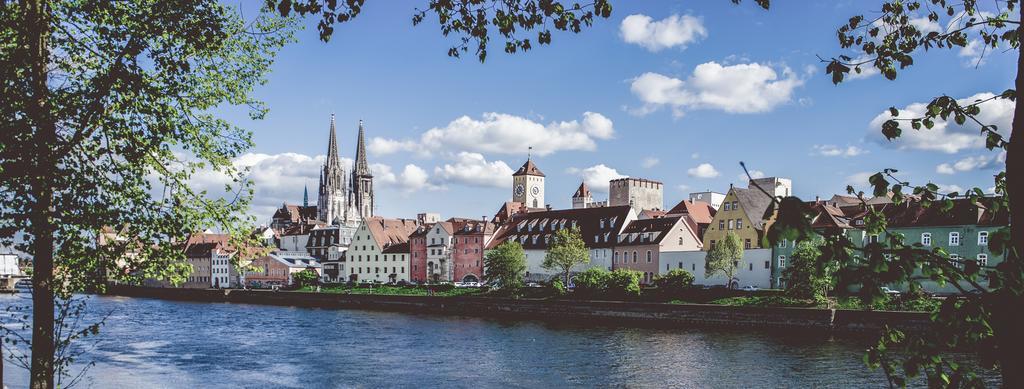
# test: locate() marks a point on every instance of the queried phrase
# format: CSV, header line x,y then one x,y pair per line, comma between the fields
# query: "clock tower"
x,y
528,185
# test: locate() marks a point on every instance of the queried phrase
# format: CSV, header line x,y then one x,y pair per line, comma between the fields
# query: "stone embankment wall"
x,y
596,312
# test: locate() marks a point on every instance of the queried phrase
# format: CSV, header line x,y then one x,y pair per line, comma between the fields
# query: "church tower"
x,y
361,195
332,189
528,185
582,198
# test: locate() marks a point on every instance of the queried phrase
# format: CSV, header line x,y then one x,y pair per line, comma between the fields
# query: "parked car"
x,y
532,285
749,288
889,291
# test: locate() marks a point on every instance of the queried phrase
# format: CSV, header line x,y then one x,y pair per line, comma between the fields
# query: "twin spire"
x,y
362,168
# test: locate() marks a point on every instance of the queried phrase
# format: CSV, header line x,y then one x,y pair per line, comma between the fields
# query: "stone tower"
x,y
582,198
528,185
361,195
331,195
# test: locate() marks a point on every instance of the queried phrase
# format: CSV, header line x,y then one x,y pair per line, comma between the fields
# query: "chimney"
x,y
548,206
816,198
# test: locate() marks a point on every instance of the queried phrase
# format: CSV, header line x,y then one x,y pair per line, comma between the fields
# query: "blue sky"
x,y
655,95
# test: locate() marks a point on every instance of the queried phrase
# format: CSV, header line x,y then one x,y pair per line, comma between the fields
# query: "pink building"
x,y
468,251
641,242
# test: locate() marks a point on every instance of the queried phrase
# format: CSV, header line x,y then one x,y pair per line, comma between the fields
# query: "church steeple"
x,y
331,192
305,195
361,168
332,144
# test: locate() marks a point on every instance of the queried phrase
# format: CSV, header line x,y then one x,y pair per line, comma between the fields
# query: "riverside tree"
x,y
987,316
506,265
567,250
724,258
105,115
807,274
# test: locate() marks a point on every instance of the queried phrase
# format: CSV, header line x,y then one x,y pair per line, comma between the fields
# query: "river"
x,y
149,343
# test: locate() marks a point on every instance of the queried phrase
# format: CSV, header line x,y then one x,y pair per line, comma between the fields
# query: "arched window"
x,y
649,257
634,257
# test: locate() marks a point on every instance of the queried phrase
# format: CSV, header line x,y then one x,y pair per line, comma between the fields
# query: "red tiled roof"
x,y
387,232
583,191
701,212
528,169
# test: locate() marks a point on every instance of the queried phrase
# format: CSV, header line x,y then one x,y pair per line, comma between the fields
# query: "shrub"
x,y
591,282
308,277
674,283
623,283
558,287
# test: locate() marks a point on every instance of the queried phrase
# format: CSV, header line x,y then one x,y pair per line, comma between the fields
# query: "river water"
x,y
149,343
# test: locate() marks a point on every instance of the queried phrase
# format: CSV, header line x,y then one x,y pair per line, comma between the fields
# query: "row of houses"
x,y
631,230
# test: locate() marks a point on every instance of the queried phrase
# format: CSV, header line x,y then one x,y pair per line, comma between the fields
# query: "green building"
x,y
963,231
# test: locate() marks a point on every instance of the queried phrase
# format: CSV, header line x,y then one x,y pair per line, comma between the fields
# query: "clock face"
x,y
519,190
535,190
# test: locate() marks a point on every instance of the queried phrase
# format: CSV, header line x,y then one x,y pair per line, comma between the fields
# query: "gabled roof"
x,y
754,204
397,248
534,230
295,213
582,192
475,228
528,169
647,231
700,212
387,232
201,244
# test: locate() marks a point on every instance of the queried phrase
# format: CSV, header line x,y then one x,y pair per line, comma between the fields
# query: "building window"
x,y
721,224
926,239
634,257
693,266
767,265
680,240
649,256
954,238
732,223
712,243
735,206
726,205
982,259
615,257
597,239
782,261
982,238
955,258
873,239
746,244
783,243
739,223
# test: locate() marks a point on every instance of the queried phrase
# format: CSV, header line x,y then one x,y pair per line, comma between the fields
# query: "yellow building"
x,y
742,212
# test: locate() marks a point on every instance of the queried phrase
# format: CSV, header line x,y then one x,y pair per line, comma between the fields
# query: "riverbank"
x,y
835,321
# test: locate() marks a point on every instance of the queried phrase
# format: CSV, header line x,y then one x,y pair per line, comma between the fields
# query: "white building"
x,y
713,198
380,250
599,228
753,269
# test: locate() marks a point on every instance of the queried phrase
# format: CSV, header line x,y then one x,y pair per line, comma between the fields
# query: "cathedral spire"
x,y
332,145
305,195
361,168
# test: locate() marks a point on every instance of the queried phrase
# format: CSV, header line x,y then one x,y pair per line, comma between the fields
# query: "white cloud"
x,y
473,169
704,170
381,146
276,178
838,151
505,134
971,163
950,188
683,188
743,88
946,136
597,176
860,180
650,162
695,156
654,36
412,178
753,174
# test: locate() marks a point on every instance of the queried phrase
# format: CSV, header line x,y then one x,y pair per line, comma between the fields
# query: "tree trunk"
x,y
1008,318
36,25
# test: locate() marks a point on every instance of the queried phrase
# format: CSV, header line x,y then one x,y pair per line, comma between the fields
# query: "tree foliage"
x,y
591,282
506,265
674,282
987,317
567,250
807,275
723,258
306,277
624,283
471,22
105,112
